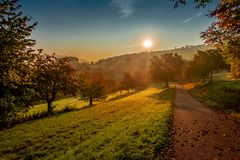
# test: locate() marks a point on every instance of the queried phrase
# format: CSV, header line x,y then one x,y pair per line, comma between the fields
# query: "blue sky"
x,y
95,29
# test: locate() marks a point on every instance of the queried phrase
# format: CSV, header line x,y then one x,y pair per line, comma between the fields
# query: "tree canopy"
x,y
204,64
166,68
92,86
199,3
224,33
52,76
16,54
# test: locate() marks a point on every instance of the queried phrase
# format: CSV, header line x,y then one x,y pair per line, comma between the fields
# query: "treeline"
x,y
172,67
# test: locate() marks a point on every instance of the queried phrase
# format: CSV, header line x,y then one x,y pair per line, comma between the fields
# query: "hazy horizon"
x,y
93,30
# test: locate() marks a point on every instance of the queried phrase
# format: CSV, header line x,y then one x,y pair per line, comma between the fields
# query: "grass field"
x,y
219,95
59,105
134,127
74,102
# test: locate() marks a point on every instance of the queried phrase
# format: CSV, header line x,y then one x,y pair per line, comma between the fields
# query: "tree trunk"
x,y
90,101
211,76
50,99
50,108
166,83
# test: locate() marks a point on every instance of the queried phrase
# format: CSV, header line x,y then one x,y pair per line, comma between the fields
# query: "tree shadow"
x,y
42,115
124,95
164,95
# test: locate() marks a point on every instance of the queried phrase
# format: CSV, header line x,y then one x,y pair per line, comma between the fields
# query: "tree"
x,y
53,76
16,59
205,63
225,32
92,86
199,3
215,62
166,68
127,82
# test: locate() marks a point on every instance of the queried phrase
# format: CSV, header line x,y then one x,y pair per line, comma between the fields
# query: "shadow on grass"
x,y
42,115
125,95
67,109
166,94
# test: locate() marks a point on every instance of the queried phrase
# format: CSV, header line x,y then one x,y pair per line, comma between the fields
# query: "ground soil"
x,y
200,133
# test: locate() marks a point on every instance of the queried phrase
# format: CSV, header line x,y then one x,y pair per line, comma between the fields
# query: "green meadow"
x,y
132,127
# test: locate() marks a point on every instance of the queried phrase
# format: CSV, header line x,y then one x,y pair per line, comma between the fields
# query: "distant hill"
x,y
136,63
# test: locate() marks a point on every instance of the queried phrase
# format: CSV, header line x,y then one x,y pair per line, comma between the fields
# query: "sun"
x,y
147,43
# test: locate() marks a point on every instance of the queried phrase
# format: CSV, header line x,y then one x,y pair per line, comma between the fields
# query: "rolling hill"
x,y
135,64
133,127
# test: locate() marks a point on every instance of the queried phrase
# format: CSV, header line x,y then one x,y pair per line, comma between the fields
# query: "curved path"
x,y
202,133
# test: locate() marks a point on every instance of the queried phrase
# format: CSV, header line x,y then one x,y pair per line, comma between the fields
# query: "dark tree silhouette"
x,y
205,63
92,86
199,3
16,59
53,76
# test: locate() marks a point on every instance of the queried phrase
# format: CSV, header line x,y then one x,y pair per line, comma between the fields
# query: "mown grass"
x,y
223,95
134,127
58,105
74,102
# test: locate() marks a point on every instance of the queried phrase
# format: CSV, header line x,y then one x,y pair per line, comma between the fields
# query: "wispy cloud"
x,y
126,7
191,18
187,20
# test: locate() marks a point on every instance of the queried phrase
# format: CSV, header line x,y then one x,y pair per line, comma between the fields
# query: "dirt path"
x,y
201,133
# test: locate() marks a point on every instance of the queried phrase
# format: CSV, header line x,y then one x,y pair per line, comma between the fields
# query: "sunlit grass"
x,y
74,102
58,105
134,127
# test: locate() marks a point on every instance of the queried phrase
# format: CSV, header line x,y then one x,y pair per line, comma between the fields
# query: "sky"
x,y
96,29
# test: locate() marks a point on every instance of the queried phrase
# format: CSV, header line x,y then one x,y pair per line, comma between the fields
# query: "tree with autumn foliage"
x,y
17,54
92,86
53,76
224,33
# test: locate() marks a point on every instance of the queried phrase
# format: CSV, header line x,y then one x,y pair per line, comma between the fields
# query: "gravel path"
x,y
202,133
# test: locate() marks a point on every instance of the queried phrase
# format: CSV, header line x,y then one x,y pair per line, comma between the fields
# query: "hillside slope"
x,y
134,127
136,63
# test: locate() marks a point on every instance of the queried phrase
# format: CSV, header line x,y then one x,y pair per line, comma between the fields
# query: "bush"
x,y
68,109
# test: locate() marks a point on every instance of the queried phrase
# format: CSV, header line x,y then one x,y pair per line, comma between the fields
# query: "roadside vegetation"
x,y
134,127
222,95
